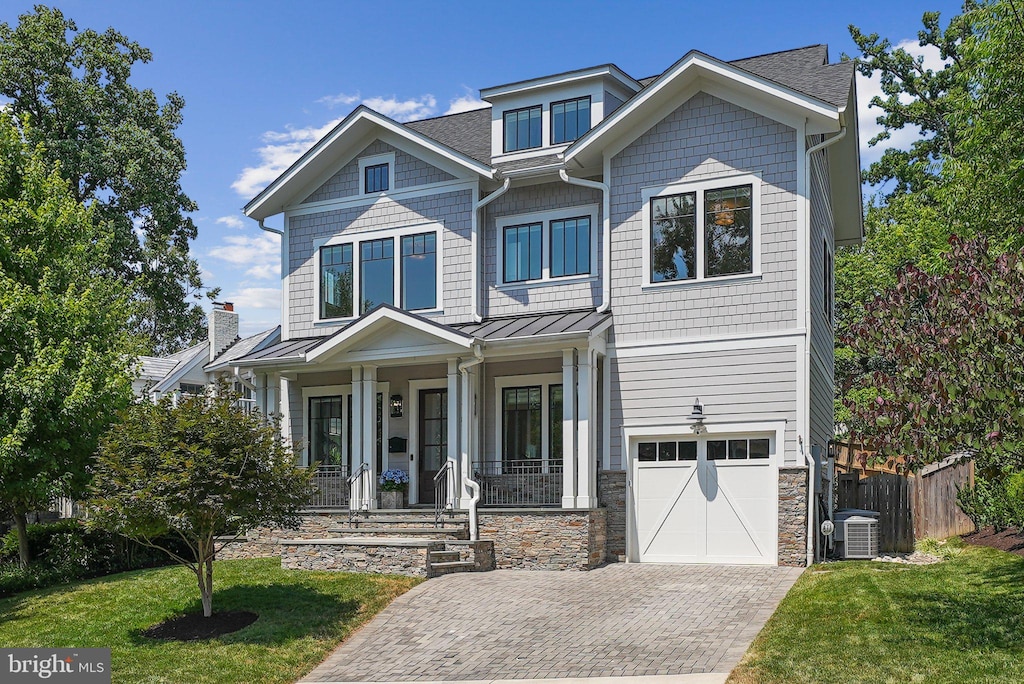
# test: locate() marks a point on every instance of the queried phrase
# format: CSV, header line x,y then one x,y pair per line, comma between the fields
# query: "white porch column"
x,y
273,395
586,475
569,428
355,458
286,408
369,450
261,395
454,436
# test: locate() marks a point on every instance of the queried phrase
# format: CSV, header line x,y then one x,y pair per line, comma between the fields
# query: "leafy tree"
x,y
65,351
118,148
943,363
197,470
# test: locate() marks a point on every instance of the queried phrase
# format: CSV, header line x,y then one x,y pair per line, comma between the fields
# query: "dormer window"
x,y
522,129
570,119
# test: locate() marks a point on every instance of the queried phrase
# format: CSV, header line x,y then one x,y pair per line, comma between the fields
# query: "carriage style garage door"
x,y
705,500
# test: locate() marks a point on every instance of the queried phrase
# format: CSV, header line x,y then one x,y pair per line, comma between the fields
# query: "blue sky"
x,y
262,80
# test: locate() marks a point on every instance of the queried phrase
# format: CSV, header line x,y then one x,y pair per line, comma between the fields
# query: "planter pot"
x,y
392,500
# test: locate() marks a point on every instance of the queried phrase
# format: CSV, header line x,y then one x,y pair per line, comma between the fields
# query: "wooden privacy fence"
x,y
911,507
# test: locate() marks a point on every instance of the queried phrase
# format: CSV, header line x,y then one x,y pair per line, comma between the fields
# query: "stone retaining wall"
x,y
262,542
611,492
546,539
793,516
391,559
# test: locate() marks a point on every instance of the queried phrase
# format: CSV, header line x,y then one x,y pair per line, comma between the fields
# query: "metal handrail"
x,y
355,488
441,479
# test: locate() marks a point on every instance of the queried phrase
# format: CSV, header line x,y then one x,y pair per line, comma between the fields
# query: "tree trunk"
x,y
204,575
22,526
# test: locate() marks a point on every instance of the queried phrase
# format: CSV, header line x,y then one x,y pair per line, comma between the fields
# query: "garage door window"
x,y
667,451
737,449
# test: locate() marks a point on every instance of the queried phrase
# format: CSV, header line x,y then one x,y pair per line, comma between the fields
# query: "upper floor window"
x,y
569,119
547,245
412,283
701,234
376,178
522,129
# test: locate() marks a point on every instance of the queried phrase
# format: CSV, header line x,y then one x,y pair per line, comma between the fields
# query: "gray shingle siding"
x,y
822,375
704,138
453,210
409,172
514,301
734,386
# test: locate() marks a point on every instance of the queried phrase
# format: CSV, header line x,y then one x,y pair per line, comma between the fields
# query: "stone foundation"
x,y
611,492
793,516
546,539
396,557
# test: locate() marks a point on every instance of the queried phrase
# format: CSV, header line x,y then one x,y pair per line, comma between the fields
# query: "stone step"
x,y
447,568
444,557
432,532
414,522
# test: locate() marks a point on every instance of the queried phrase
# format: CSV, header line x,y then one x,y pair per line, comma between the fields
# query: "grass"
x,y
961,620
303,616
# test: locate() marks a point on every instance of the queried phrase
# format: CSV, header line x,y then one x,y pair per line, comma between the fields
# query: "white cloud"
x,y
281,149
260,254
404,110
231,222
251,298
465,103
264,271
341,99
867,88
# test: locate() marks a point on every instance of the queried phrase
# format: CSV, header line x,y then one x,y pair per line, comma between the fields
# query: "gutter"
x,y
469,483
269,229
606,234
473,245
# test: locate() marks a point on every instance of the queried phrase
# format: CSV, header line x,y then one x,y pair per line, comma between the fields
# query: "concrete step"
x,y
429,532
447,568
444,557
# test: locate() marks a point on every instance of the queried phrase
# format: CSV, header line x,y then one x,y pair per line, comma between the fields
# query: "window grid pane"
x,y
325,443
376,273
570,247
673,237
419,272
522,253
521,423
522,129
376,178
570,119
728,237
336,281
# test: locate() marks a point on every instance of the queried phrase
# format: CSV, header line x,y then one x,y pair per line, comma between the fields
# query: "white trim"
x,y
285,275
544,380
686,345
338,204
355,239
376,160
414,430
699,188
545,218
561,79
632,433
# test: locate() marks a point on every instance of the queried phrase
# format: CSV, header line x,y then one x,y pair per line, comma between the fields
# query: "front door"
x,y
433,438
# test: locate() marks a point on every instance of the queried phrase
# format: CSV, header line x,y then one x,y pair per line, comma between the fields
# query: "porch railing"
x,y
331,487
444,480
529,482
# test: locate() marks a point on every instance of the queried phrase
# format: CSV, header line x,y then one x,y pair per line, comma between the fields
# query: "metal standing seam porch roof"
x,y
490,330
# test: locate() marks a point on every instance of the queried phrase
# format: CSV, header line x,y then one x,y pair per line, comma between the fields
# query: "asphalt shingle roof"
x,y
241,347
467,132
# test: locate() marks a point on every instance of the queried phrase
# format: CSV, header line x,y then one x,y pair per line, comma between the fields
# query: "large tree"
x,y
65,353
197,470
118,148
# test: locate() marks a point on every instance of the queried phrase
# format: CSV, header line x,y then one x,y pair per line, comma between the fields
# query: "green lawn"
x,y
961,620
303,616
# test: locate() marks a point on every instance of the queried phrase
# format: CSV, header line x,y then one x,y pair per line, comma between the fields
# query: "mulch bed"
x,y
195,627
1008,540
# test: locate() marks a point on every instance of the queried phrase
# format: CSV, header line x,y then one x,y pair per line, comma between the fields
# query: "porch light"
x,y
697,418
396,405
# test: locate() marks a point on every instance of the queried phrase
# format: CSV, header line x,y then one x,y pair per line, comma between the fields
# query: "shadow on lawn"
x,y
286,612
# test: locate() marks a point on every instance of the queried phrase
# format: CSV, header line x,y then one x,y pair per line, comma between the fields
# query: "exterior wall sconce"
x,y
697,418
396,405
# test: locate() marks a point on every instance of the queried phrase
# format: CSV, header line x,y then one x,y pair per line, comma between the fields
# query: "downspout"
x,y
808,453
474,250
606,234
269,229
470,484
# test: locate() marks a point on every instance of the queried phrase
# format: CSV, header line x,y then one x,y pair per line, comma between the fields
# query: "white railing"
x,y
358,488
443,488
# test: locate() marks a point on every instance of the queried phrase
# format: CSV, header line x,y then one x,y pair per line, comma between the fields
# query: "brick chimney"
x,y
223,327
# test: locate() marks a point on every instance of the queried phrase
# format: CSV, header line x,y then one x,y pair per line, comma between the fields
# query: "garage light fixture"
x,y
697,418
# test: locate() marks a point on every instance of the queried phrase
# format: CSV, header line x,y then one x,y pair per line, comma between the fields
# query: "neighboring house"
x,y
521,305
193,370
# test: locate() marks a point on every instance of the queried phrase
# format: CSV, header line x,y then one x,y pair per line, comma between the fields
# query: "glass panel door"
x,y
433,437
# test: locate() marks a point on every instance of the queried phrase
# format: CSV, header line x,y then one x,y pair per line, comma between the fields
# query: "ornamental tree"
x,y
942,362
65,345
201,469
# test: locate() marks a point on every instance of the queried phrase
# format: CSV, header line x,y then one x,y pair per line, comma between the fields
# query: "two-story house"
x,y
600,297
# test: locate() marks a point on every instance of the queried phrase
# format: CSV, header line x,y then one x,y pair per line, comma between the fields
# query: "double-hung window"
x,y
703,233
547,246
570,119
359,275
522,129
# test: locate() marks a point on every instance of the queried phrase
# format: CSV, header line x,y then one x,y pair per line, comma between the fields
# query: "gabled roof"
x,y
243,346
185,360
324,156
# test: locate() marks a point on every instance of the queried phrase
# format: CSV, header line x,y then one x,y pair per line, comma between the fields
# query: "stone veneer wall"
x,y
611,493
262,542
793,516
545,539
391,559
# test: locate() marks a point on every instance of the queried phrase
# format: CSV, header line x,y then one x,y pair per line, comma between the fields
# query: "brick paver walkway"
x,y
619,620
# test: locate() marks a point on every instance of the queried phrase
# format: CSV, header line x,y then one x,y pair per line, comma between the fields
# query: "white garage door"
x,y
707,500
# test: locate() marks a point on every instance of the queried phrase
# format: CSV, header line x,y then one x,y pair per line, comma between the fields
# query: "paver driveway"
x,y
515,624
